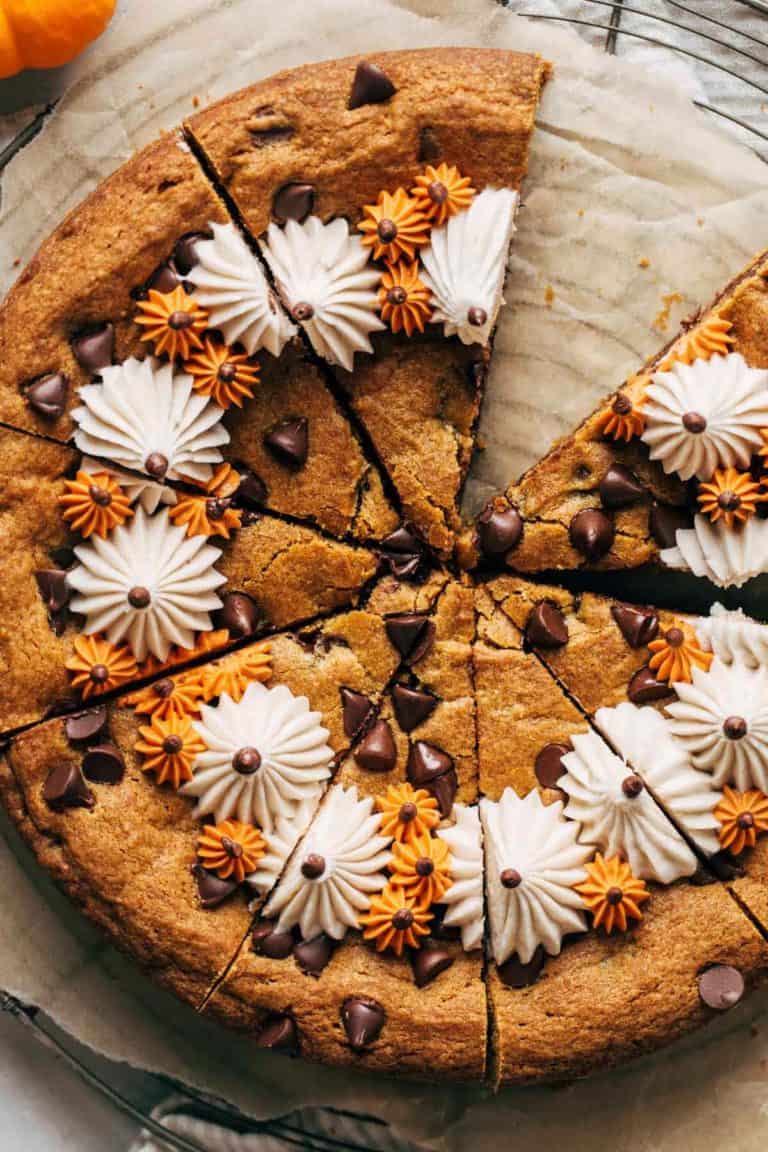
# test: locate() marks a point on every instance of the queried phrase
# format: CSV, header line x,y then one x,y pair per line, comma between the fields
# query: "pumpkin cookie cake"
x,y
322,783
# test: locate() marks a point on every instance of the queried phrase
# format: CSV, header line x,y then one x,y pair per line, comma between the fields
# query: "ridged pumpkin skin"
x,y
48,33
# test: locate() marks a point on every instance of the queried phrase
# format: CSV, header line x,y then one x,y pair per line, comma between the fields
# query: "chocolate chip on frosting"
x,y
591,533
735,727
428,963
412,706
549,766
95,348
644,687
239,614
620,487
279,1033
363,1020
546,627
66,787
85,726
638,626
357,710
293,201
48,395
288,441
632,786
499,527
313,866
721,986
104,764
412,634
377,751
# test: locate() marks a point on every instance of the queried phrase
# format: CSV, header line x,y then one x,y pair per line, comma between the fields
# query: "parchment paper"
x,y
633,196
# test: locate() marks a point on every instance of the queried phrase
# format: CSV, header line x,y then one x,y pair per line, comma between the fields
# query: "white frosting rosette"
x,y
266,756
147,583
230,283
325,279
465,263
532,862
732,635
340,864
706,415
148,419
464,899
729,557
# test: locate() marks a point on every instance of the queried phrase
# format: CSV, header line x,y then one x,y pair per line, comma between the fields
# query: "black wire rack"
x,y
720,50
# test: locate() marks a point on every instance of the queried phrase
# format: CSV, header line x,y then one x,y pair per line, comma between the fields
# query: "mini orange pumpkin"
x,y
47,33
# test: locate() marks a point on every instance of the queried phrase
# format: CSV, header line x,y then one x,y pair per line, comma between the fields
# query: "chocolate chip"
x,y
721,986
430,767
164,279
139,596
48,395
444,790
546,626
644,687
403,552
735,727
363,1020
273,134
377,751
412,634
314,955
357,709
591,533
293,201
429,146
510,878
370,86
279,1033
239,614
104,764
313,866
499,527
412,706
54,589
549,765
185,255
638,626
620,487
265,941
65,787
477,316
251,491
211,889
694,422
665,521
246,761
515,974
288,442
85,726
95,348
632,786
428,963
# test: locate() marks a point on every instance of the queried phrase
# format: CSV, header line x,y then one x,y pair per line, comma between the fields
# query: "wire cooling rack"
x,y
730,59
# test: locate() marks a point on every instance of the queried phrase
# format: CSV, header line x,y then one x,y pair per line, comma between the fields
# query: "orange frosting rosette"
x,y
232,849
94,504
743,816
226,375
612,894
395,227
212,514
730,496
395,921
407,813
234,673
205,642
442,192
675,652
173,322
422,868
712,338
623,419
169,748
178,695
98,666
403,299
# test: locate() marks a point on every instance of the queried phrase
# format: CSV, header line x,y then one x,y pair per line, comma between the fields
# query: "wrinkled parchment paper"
x,y
637,209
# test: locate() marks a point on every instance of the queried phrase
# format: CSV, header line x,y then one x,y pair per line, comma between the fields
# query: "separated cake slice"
x,y
378,202
669,469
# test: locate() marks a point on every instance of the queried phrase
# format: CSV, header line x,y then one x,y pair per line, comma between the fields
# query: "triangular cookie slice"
x,y
668,469
317,145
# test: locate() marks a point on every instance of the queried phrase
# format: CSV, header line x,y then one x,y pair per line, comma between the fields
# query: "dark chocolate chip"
x,y
313,866
644,687
279,1033
370,86
293,201
546,626
265,941
185,255
430,767
95,348
620,487
85,726
694,422
499,527
377,751
239,614
549,765
444,790
272,134
591,533
721,986
211,889
66,787
664,522
357,710
251,491
314,955
428,963
632,786
404,553
638,626
735,727
104,764
363,1020
510,878
54,589
517,975
412,706
246,761
412,633
48,395
288,442
164,279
